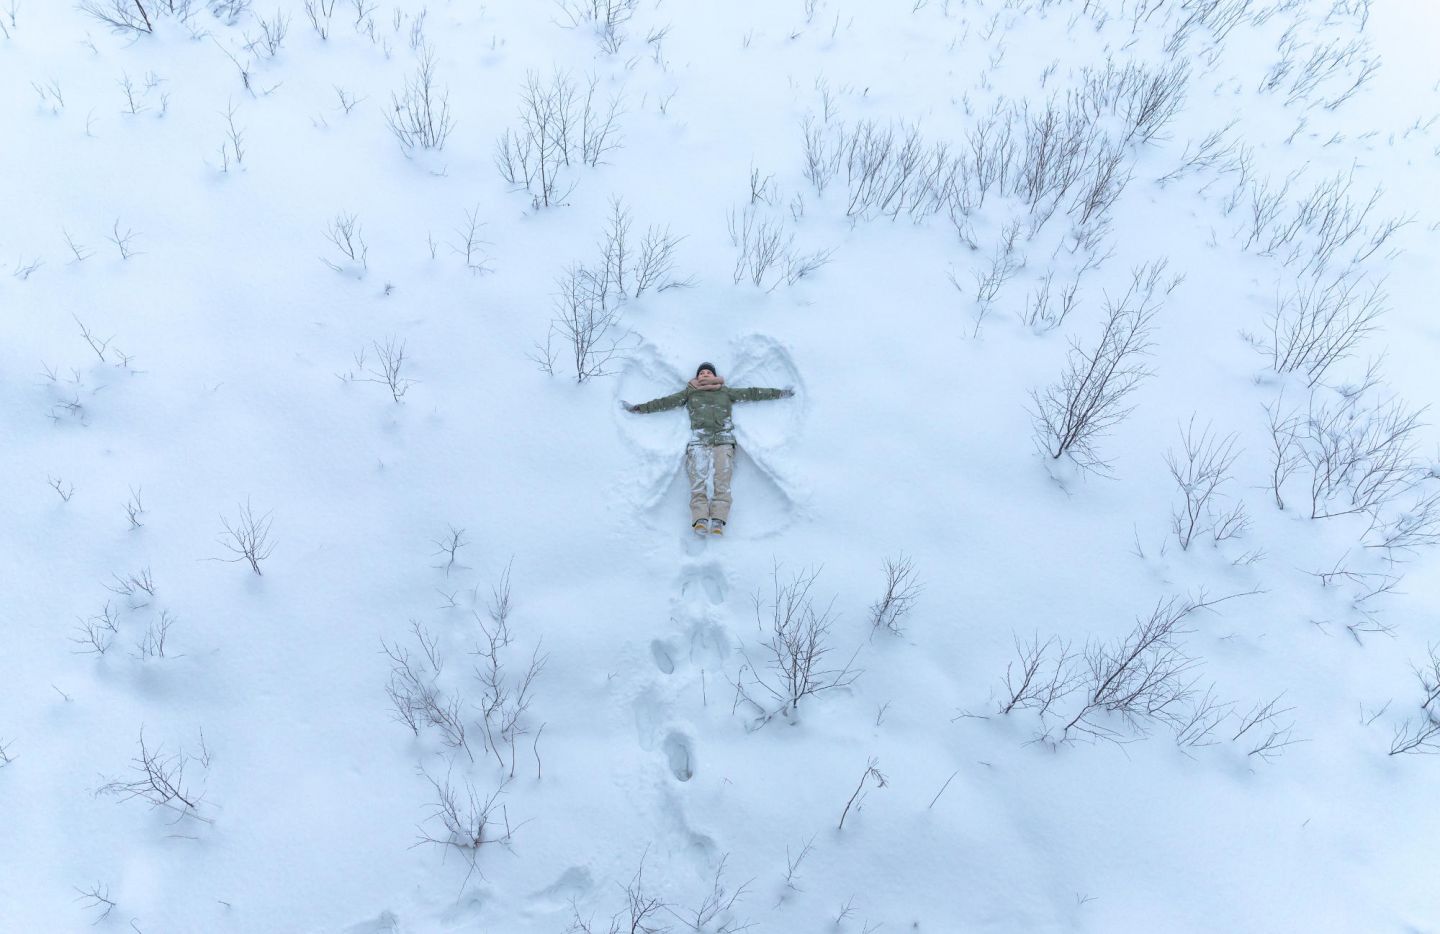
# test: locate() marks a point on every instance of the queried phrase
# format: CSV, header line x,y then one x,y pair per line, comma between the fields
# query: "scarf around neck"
x,y
706,383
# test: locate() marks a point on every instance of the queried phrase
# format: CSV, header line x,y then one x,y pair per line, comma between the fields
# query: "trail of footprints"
x,y
702,591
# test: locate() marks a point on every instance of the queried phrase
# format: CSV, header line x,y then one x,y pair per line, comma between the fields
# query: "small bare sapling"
x,y
157,631
420,113
607,18
872,774
247,537
1092,394
637,916
797,648
344,232
1264,730
131,586
586,324
1320,324
1200,471
467,819
470,246
716,912
134,509
96,898
449,548
160,780
416,697
319,13
388,368
901,591
94,634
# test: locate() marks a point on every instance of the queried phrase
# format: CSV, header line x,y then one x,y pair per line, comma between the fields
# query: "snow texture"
x,y
238,313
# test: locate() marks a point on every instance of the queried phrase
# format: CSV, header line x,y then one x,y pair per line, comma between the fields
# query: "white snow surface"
x,y
910,434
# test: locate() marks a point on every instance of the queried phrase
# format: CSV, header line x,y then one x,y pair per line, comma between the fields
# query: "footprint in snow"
x,y
677,753
664,658
574,883
707,580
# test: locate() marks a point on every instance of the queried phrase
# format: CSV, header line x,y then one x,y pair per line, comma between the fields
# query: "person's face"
x,y
708,371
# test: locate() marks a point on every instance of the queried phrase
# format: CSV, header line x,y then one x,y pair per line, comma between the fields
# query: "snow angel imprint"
x,y
710,455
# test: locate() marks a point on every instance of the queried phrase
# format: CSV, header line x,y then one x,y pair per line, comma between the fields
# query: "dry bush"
x,y
797,646
1091,396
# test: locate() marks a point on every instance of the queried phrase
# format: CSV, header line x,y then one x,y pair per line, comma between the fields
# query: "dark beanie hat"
x,y
706,366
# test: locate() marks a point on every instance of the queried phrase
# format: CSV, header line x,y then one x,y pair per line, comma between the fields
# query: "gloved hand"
x,y
787,392
626,406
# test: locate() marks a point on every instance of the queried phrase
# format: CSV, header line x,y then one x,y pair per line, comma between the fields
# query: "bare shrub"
x,y
761,244
1200,471
228,11
797,648
471,246
630,270
94,634
715,913
159,779
61,488
132,16
1209,152
388,368
560,127
97,899
1090,398
247,537
1324,72
637,916
1320,324
416,698
157,631
132,585
607,18
468,820
1325,230
1264,731
449,547
134,509
272,35
586,323
319,13
1421,735
1041,312
901,591
345,233
1072,153
1045,672
1359,453
991,278
420,113
505,699
1409,529
1141,679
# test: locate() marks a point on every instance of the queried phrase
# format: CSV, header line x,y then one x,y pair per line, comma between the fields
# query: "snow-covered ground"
x,y
185,344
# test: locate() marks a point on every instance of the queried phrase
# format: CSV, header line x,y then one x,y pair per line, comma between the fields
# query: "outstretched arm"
x,y
757,394
672,401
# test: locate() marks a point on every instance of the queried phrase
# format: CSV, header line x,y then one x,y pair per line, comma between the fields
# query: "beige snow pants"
x,y
702,462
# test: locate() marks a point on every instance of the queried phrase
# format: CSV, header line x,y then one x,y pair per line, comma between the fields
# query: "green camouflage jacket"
x,y
709,409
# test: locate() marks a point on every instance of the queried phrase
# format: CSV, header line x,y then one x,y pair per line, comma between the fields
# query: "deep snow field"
x,y
476,582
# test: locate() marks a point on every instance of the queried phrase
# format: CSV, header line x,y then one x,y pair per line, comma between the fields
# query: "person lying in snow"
x,y
710,455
